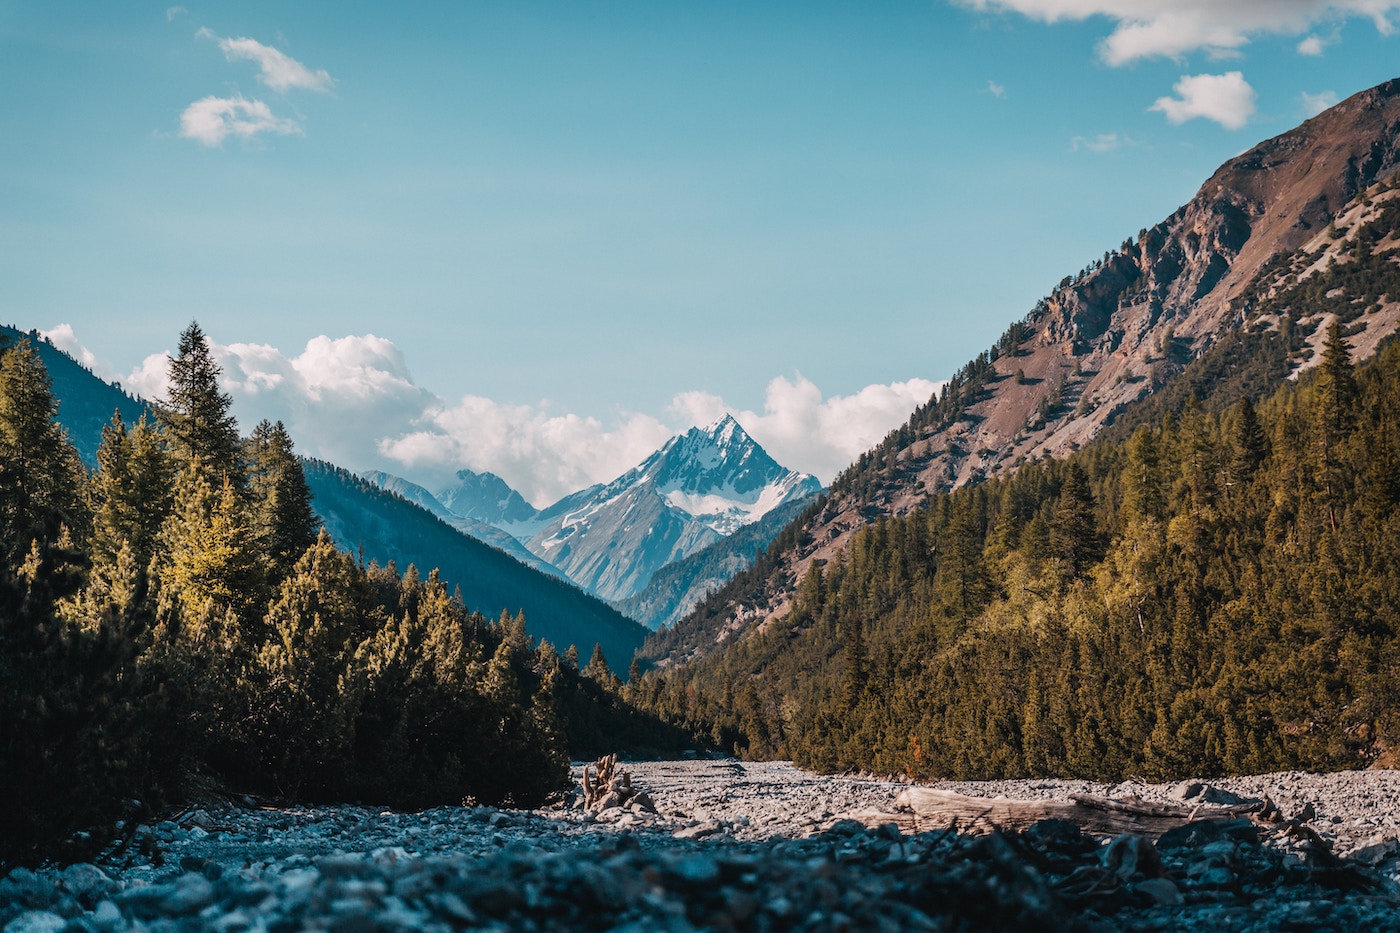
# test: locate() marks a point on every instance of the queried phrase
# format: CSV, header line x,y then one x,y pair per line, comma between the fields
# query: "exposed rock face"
x,y
1132,323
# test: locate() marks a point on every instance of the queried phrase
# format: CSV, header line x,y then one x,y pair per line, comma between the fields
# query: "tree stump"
x,y
604,787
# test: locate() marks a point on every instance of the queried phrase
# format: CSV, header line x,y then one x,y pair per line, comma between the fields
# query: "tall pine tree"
x,y
196,414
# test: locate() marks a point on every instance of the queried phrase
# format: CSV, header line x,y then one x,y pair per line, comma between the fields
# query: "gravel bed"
x,y
736,846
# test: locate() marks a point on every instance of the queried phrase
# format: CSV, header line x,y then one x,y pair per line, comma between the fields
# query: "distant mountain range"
x,y
496,576
611,539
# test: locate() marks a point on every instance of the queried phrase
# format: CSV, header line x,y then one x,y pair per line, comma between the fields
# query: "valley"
x,y
1153,533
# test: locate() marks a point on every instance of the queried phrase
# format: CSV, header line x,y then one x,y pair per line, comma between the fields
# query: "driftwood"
x,y
604,786
919,809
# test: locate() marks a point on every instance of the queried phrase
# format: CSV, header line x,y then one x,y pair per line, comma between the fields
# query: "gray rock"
x,y
36,921
1187,790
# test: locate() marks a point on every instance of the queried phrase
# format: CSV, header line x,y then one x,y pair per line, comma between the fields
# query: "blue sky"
x,y
538,238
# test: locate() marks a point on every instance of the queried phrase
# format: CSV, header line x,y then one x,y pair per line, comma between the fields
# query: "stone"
x,y
1160,891
696,870
1187,790
699,830
36,921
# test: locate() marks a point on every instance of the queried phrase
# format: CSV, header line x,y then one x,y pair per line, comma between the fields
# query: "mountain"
x,y
677,588
700,487
480,530
86,403
486,498
384,526
1228,297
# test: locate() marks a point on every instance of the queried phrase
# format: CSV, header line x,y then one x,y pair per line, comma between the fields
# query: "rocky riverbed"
x,y
743,846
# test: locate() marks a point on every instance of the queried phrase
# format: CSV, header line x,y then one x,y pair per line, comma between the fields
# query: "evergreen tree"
x,y
40,476
131,493
1074,534
1335,417
196,415
1250,445
282,516
209,550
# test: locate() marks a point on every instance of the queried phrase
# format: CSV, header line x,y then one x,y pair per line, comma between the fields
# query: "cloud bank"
x,y
353,401
1173,28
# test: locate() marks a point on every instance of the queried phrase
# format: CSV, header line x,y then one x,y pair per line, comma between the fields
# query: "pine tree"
x,y
196,415
1074,534
131,493
282,516
1336,416
40,475
210,552
1142,479
1250,443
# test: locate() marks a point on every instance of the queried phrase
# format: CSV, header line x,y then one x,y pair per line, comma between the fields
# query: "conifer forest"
x,y
1212,587
176,615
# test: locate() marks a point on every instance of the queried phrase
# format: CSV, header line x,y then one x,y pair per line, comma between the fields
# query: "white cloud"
x,y
1147,28
1103,142
542,455
150,379
1227,99
1312,45
211,120
174,11
276,69
996,90
1313,104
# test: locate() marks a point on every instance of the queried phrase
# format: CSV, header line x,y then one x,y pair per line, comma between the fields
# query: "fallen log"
x,y
920,809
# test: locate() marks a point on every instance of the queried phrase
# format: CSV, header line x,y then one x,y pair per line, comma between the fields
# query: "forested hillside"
x,y
176,613
1218,594
382,526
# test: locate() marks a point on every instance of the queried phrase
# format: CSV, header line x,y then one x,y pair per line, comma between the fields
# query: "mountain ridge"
x,y
1263,224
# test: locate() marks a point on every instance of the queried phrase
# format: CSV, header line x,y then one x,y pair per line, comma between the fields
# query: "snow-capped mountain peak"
x,y
699,487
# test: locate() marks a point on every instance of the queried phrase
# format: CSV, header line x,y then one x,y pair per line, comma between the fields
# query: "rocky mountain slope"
x,y
698,488
1264,246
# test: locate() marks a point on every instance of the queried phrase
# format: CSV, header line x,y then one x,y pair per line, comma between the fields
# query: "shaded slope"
x,y
367,520
86,402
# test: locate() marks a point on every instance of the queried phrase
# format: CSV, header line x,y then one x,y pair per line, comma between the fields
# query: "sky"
x,y
541,238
